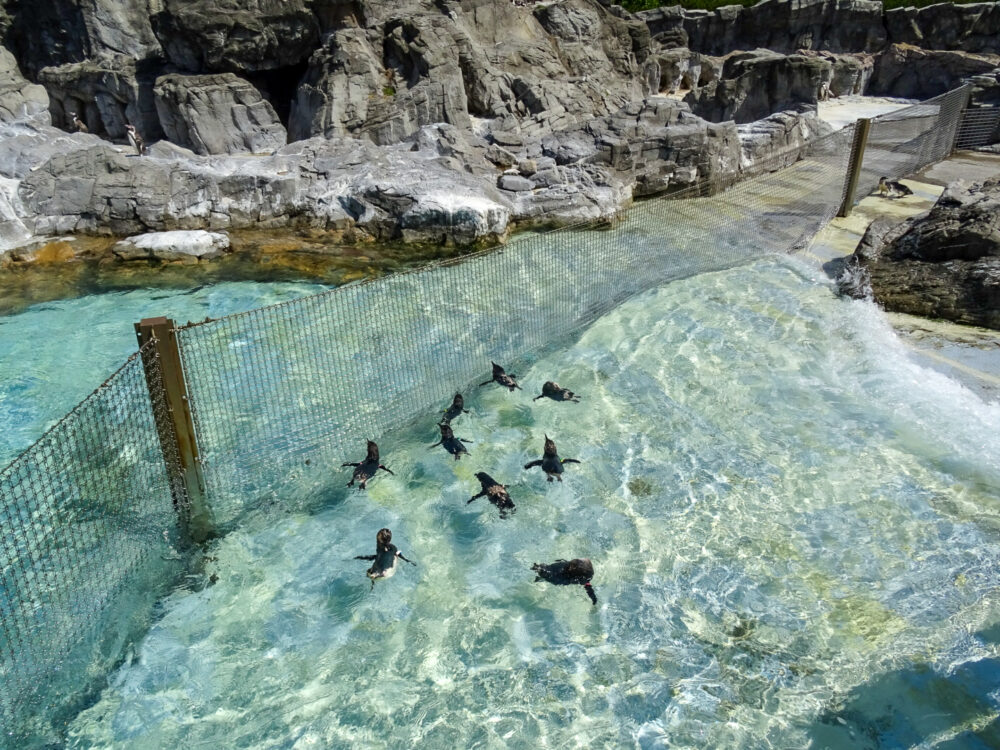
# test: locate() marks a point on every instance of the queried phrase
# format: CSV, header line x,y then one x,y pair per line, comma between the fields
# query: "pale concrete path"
x,y
967,354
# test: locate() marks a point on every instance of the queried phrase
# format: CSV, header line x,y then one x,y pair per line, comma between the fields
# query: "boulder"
x,y
756,84
57,32
240,36
106,93
779,140
914,73
973,27
186,246
943,265
217,114
780,25
19,99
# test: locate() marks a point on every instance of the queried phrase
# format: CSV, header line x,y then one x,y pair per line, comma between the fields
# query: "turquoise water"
x,y
53,355
795,529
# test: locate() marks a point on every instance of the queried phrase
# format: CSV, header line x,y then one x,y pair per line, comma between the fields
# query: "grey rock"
x,y
185,246
914,73
20,99
515,183
208,36
779,140
106,93
755,84
217,114
945,264
945,26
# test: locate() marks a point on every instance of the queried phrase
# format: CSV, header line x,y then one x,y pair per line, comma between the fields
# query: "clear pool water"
x,y
796,532
52,355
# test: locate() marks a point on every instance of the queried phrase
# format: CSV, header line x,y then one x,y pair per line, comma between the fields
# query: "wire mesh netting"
x,y
88,531
313,378
980,127
903,141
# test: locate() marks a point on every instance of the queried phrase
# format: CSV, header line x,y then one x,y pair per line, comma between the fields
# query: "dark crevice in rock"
x,y
278,86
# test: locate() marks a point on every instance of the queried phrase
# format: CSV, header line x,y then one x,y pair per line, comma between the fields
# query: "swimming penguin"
x,y
557,393
135,139
80,125
567,573
366,469
889,188
550,462
501,377
457,407
384,564
495,492
451,443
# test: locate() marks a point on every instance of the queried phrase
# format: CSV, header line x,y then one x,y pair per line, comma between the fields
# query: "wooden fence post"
x,y
177,426
861,130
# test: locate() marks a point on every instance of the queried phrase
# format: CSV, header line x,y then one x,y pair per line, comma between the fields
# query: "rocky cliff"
x,y
423,120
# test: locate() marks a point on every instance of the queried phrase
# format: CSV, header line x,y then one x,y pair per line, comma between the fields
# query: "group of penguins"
x,y
579,571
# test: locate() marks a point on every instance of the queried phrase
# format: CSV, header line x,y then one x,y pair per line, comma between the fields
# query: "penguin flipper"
x,y
531,464
350,463
437,443
569,461
487,382
386,469
364,557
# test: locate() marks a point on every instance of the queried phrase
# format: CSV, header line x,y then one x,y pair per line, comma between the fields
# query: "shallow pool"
x,y
53,354
795,529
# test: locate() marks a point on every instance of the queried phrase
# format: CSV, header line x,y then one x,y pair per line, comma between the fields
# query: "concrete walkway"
x,y
967,354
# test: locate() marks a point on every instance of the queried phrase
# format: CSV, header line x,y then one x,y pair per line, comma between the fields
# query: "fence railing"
x,y
979,127
277,395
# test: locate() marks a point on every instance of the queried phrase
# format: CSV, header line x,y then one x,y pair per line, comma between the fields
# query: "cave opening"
x,y
278,86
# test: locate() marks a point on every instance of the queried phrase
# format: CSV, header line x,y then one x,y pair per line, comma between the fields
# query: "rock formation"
x,y
943,265
428,120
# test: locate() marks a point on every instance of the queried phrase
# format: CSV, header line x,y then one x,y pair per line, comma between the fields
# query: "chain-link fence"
x,y
980,127
904,141
282,395
87,529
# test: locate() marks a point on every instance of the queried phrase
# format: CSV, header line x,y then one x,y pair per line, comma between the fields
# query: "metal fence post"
x,y
861,130
177,428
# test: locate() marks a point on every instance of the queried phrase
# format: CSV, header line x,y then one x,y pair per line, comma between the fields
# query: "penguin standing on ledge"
x,y
455,446
550,462
80,125
557,393
384,559
892,188
365,470
495,492
135,139
501,377
567,573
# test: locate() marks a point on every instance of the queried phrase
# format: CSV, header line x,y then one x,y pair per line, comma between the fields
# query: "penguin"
x,y
495,492
384,559
567,573
557,393
135,139
366,469
550,462
501,377
451,443
457,407
892,188
80,125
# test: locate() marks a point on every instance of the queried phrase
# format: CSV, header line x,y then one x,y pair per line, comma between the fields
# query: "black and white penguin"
x,y
135,139
455,446
80,125
501,377
550,462
384,559
557,393
457,407
568,573
365,470
892,188
495,492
